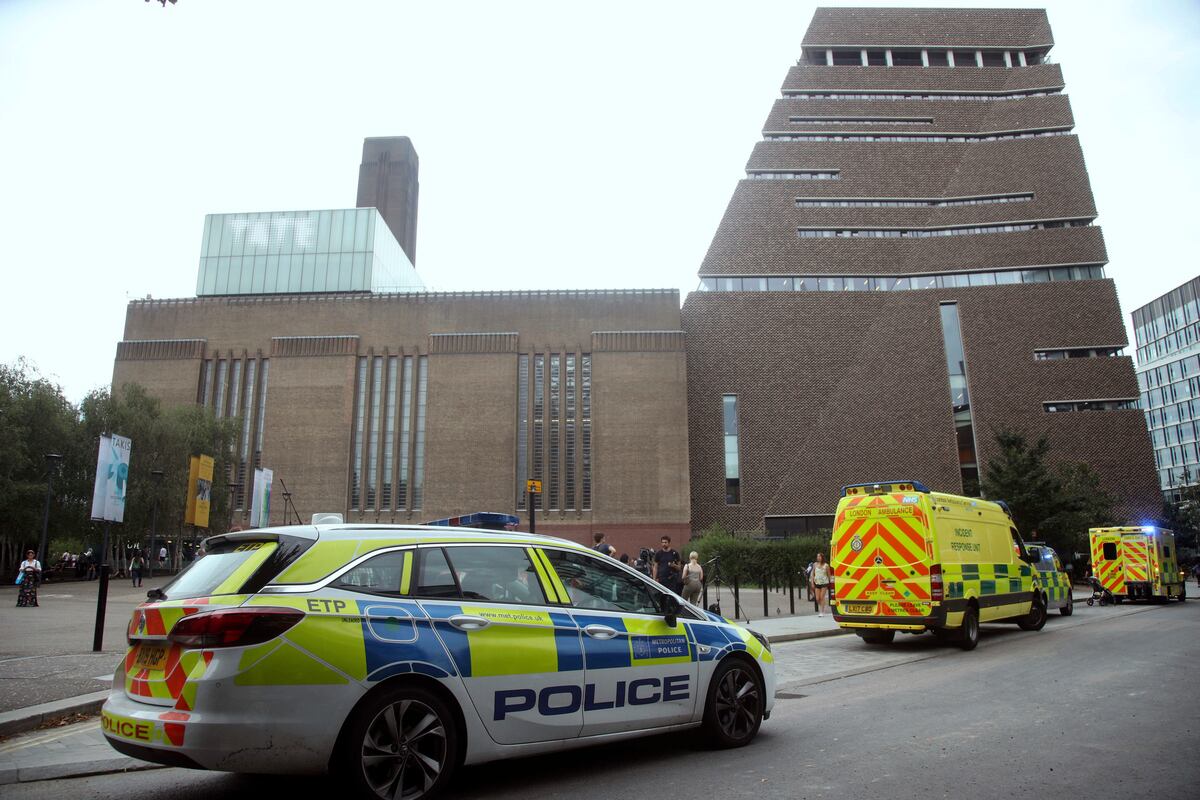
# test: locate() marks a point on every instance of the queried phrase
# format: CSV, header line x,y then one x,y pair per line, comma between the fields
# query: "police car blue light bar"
x,y
485,520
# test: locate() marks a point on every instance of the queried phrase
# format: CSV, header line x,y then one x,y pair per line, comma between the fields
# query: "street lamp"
x,y
52,461
157,474
287,499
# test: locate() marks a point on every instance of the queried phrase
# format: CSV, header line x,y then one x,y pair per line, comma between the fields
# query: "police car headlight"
x,y
763,640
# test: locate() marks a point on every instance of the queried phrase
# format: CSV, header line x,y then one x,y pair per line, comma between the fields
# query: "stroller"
x,y
1099,593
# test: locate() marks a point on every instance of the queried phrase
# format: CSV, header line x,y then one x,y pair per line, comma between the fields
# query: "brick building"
x,y
909,265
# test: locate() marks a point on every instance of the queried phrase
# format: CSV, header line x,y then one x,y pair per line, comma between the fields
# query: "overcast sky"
x,y
562,145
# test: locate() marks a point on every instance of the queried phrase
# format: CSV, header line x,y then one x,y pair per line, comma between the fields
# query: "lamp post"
x,y
287,499
157,474
52,461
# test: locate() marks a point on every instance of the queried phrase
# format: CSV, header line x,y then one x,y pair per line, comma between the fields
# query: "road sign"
x,y
533,487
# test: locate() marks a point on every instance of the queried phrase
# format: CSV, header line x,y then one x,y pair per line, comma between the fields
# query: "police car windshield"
x,y
211,574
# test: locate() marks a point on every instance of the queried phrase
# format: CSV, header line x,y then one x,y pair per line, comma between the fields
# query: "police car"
x,y
392,655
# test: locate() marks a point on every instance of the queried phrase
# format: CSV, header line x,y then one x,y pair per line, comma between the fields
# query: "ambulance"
x,y
1137,563
909,559
392,655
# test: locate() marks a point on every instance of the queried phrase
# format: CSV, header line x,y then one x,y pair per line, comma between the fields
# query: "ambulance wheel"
x,y
1069,608
402,743
734,708
968,636
878,636
1037,616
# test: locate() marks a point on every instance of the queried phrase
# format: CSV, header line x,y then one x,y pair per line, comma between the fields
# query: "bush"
x,y
752,559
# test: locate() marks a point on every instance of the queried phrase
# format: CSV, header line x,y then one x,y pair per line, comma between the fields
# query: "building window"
x,y
555,430
360,413
539,421
262,411
733,473
960,399
205,375
896,283
569,441
862,120
222,373
522,429
916,94
1062,353
1121,404
406,408
235,387
585,443
923,233
418,483
247,428
793,175
847,58
389,436
373,431
919,138
910,202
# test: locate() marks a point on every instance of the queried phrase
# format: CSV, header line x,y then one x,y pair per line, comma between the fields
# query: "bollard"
x,y
791,596
766,604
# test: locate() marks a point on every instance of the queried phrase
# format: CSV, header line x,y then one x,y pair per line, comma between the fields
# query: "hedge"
x,y
760,561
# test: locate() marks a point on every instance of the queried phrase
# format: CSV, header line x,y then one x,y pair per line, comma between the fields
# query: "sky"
x,y
562,145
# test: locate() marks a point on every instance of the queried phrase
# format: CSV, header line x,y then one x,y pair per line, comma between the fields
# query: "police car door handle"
x,y
466,622
600,632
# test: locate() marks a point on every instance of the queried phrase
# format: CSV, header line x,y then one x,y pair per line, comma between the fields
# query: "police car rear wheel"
x,y
402,745
734,710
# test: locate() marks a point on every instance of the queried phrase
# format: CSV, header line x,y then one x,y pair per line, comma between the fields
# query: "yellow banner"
x,y
199,491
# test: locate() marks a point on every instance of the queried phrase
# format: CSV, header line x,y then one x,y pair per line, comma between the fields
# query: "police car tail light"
x,y
233,627
936,593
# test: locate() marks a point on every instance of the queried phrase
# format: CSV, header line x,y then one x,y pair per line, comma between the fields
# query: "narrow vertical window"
x,y
555,429
585,444
247,429
373,432
419,442
539,419
406,390
733,472
569,445
262,410
235,386
389,436
222,368
522,428
205,370
960,399
360,411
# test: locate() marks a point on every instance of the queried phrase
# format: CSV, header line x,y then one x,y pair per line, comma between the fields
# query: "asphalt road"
x,y
1100,705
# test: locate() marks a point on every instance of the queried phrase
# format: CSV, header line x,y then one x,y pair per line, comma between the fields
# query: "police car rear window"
x,y
217,572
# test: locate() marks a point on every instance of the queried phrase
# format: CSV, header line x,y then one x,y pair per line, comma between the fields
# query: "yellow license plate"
x,y
857,608
151,656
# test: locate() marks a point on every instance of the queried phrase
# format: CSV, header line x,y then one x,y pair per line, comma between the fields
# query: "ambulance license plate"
x,y
151,656
857,608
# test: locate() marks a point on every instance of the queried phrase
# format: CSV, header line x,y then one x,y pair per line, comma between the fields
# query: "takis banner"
x,y
112,478
260,504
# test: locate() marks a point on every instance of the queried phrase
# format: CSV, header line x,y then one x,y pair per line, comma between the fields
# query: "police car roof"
x,y
418,534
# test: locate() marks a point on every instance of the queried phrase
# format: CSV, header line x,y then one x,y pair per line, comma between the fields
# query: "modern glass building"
x,y
1167,332
290,252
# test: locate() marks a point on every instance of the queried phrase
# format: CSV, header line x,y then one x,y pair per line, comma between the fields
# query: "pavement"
x,y
40,741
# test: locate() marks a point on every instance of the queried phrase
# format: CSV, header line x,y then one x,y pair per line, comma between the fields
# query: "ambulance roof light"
x,y
895,486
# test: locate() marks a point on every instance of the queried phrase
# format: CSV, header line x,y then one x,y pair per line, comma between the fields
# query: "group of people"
x,y
663,565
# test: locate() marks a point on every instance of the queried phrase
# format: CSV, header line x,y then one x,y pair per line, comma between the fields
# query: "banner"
x,y
260,504
112,479
200,491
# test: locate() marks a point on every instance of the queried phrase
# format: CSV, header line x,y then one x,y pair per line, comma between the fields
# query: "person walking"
x,y
666,564
820,583
29,575
136,567
693,579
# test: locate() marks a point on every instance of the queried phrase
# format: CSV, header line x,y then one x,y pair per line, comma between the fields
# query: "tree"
x,y
1055,504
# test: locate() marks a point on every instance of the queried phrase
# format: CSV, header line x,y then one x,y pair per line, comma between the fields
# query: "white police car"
x,y
392,655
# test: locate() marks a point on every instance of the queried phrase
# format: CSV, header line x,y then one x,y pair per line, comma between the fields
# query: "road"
x,y
1099,705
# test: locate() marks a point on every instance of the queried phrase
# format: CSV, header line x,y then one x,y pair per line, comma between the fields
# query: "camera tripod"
x,y
714,580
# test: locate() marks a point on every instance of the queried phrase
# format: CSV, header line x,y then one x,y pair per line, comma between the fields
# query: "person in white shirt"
x,y
29,575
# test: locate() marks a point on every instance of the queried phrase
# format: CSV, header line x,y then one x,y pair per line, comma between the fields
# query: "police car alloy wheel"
x,y
402,744
734,709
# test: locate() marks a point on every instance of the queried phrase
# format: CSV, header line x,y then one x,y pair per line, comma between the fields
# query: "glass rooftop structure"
x,y
291,252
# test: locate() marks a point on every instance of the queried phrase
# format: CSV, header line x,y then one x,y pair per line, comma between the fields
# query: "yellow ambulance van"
x,y
1137,563
906,558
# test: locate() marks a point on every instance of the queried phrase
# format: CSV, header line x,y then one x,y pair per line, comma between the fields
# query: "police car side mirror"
x,y
670,609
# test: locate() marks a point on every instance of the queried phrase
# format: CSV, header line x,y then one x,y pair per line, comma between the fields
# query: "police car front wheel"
x,y
403,743
734,710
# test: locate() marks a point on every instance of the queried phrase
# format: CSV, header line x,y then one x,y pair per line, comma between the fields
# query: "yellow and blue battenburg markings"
x,y
985,580
523,641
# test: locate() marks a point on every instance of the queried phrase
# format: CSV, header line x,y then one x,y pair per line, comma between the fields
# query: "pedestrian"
x,y
162,557
820,582
90,562
666,564
29,575
1196,569
625,559
136,567
693,579
812,597
600,545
